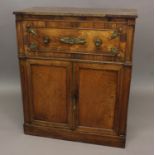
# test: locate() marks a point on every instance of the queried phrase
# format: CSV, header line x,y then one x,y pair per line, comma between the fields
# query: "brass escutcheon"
x,y
98,42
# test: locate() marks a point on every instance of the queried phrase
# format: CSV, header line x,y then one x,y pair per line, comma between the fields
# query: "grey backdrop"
x,y
140,121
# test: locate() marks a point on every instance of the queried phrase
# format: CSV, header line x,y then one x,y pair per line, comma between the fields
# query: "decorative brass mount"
x,y
72,41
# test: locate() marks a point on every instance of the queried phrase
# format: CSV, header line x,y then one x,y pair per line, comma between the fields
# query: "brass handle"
x,y
98,42
31,30
33,46
72,41
114,50
46,40
116,33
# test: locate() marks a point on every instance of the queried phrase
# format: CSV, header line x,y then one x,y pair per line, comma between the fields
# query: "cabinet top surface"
x,y
132,13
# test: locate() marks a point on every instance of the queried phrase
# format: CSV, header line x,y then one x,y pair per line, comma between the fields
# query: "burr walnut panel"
x,y
102,83
50,80
95,38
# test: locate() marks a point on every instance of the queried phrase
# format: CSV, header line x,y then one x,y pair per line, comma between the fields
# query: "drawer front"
x,y
43,39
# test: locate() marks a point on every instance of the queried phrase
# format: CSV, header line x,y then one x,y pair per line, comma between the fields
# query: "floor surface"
x,y
14,142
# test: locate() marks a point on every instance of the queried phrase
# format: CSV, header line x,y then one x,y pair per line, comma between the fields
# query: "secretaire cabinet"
x,y
75,67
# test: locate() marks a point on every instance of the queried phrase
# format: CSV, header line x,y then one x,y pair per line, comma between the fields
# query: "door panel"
x,y
98,90
50,91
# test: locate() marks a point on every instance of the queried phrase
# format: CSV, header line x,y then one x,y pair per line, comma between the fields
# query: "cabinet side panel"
x,y
19,33
24,87
130,40
125,100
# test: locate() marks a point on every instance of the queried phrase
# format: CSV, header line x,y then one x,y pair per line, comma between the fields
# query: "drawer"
x,y
42,39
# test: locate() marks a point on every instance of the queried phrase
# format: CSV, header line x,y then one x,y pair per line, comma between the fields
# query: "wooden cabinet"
x,y
75,72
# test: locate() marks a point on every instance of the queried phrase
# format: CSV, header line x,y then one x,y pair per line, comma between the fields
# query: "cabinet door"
x,y
98,87
49,91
